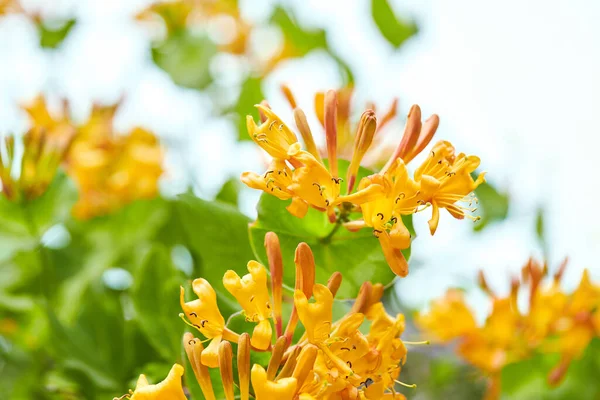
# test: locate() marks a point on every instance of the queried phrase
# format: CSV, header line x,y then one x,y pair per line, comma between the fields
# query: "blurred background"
x,y
514,83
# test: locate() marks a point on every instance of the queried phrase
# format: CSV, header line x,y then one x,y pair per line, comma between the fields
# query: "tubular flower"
x,y
330,360
303,178
110,169
252,294
554,322
170,388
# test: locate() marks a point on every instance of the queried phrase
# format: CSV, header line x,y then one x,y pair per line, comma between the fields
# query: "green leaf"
x,y
493,205
357,255
186,58
217,235
528,379
301,41
24,223
394,30
52,35
229,192
155,296
251,93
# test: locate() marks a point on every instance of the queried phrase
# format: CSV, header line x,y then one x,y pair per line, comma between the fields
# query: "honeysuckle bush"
x,y
96,267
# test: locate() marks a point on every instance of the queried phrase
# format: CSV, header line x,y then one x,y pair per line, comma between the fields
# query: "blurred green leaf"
x,y
394,30
527,379
24,223
357,255
186,58
155,296
251,93
493,205
217,235
301,41
108,241
229,192
52,35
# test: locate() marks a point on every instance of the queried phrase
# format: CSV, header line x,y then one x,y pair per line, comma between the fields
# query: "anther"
x,y
380,215
194,314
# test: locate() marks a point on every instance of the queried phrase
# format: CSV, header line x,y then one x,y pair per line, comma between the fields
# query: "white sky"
x,y
516,83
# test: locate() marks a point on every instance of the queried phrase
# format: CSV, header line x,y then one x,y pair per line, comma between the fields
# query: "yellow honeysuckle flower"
x,y
330,361
204,314
316,317
446,179
252,294
383,198
448,317
275,181
555,322
264,389
272,135
109,169
170,388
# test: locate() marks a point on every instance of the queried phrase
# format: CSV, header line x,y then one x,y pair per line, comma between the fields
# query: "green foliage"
x,y
154,297
186,58
357,255
52,35
23,223
396,31
251,94
528,379
229,192
493,205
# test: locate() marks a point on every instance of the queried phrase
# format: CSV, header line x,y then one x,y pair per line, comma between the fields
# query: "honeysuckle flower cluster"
x,y
553,322
443,180
110,169
28,176
359,356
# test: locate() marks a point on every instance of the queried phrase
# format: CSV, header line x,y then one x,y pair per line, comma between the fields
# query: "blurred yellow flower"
x,y
555,322
110,170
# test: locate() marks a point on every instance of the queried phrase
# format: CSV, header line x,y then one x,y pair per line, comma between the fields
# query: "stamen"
x,y
413,386
424,342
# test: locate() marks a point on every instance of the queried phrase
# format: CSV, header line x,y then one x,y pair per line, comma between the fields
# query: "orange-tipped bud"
x,y
243,364
561,270
276,268
331,130
362,299
289,96
412,129
390,115
427,132
193,348
334,282
279,349
261,113
482,282
305,132
290,364
558,373
376,294
362,141
305,363
226,369
305,280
